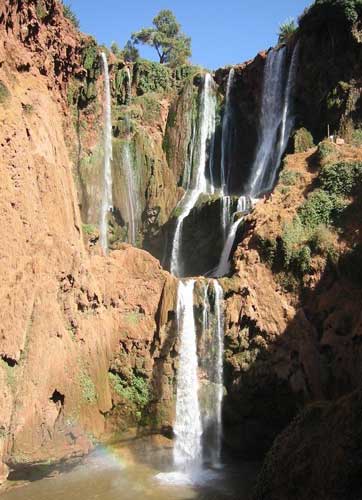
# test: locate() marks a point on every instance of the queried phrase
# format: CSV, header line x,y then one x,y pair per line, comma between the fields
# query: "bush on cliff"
x,y
303,140
69,14
287,30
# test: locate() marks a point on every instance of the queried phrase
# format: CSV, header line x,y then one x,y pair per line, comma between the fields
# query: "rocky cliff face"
x,y
68,318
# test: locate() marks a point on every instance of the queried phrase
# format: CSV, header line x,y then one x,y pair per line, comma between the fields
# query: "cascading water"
x,y
226,135
212,362
107,200
187,428
225,215
132,208
276,120
197,182
244,205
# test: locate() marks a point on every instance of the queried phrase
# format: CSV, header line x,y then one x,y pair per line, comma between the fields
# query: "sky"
x,y
223,32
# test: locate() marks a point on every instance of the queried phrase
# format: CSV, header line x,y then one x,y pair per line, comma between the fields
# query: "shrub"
x,y
288,177
89,229
325,149
89,392
136,389
69,14
293,235
322,241
321,207
341,178
4,92
357,137
303,140
268,250
287,30
152,77
41,10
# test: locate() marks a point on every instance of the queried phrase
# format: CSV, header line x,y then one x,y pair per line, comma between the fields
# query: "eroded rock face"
x,y
66,316
317,456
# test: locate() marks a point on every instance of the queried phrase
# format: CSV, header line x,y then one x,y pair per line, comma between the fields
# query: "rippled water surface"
x,y
133,472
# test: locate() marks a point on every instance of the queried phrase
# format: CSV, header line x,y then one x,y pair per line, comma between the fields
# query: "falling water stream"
x,y
131,191
107,200
197,182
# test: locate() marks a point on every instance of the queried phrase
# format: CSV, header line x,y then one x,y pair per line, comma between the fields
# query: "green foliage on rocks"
x,y
286,30
303,140
135,389
288,177
41,10
341,179
152,77
4,93
336,10
89,392
69,14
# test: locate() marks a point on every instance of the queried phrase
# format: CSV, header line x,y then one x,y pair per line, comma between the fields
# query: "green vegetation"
x,y
172,46
89,392
334,10
312,230
152,77
89,229
341,179
357,137
288,177
10,373
69,14
133,317
41,10
4,93
303,140
135,390
287,30
130,52
325,149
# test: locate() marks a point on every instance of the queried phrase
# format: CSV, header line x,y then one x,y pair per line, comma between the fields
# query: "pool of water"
x,y
136,471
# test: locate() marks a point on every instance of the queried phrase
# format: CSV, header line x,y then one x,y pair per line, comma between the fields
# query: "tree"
x,y
130,52
172,46
286,30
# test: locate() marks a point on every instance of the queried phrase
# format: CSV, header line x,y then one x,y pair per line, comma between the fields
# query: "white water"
x,y
223,267
188,449
225,215
219,378
276,120
226,135
132,209
197,182
107,200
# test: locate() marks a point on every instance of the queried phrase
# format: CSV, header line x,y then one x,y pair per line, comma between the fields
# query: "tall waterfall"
x,y
107,200
276,120
197,181
131,191
213,338
187,450
226,136
244,205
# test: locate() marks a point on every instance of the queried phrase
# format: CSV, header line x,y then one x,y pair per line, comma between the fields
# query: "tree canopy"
x,y
173,47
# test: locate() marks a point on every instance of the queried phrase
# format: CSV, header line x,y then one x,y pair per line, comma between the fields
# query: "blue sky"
x,y
222,31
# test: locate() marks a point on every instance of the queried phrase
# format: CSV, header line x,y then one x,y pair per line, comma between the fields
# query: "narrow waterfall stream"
x,y
276,119
107,199
130,189
226,135
197,182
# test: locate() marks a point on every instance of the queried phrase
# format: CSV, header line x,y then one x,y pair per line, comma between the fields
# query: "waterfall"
x,y
107,201
243,207
131,191
187,450
226,135
212,362
197,182
276,120
225,215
